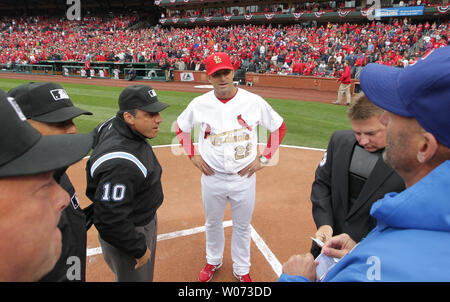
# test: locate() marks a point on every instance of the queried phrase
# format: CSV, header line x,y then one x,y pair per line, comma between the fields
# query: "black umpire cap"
x,y
141,97
24,151
45,102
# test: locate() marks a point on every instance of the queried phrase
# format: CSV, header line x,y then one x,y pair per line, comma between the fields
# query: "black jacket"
x,y
124,182
72,225
330,189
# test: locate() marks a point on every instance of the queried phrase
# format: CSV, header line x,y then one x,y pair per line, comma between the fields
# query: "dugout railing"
x,y
152,74
79,71
110,70
29,68
116,70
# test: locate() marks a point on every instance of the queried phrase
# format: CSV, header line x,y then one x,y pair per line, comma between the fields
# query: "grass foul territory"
x,y
308,124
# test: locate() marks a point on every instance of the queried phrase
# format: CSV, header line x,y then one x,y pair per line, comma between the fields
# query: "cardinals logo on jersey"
x,y
207,131
243,123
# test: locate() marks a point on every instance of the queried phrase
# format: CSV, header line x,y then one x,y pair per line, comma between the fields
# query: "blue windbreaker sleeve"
x,y
290,278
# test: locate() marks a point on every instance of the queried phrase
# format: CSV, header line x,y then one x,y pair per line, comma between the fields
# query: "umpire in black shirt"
x,y
49,110
124,182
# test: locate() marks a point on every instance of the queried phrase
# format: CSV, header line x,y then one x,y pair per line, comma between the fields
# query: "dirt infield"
x,y
282,222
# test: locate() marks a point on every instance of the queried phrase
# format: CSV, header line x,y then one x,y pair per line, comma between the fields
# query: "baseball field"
x,y
309,124
282,222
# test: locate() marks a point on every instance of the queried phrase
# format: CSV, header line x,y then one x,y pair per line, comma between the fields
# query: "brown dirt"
x,y
282,217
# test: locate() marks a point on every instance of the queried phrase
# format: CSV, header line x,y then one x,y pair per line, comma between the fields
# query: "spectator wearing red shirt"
x,y
87,67
346,82
307,70
236,62
297,68
359,64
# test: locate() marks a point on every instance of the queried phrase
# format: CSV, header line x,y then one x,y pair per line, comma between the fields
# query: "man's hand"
x,y
251,168
198,161
301,265
143,260
324,233
338,246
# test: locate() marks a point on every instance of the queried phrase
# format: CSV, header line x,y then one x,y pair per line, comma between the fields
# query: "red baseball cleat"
x,y
207,272
243,278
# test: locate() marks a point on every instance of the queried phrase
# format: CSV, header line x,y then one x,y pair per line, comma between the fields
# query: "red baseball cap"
x,y
218,61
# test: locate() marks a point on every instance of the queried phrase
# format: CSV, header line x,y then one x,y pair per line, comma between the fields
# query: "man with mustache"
x,y
124,182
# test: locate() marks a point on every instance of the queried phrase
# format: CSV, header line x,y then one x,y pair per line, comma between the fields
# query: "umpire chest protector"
x,y
361,166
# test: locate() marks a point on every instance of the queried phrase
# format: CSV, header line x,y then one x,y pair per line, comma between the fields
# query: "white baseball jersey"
x,y
116,73
228,134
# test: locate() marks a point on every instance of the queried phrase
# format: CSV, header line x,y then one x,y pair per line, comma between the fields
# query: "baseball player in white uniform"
x,y
228,158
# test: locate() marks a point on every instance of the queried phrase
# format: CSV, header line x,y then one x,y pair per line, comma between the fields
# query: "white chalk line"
x,y
267,253
262,246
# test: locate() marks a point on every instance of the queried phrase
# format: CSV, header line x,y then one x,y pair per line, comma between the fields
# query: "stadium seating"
x,y
320,51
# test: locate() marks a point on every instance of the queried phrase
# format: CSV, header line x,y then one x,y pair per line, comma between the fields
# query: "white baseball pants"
x,y
217,190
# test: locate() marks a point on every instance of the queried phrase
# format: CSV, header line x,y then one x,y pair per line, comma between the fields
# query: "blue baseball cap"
x,y
420,91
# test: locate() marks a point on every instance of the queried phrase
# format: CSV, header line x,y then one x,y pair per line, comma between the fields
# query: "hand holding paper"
x,y
338,246
324,233
325,264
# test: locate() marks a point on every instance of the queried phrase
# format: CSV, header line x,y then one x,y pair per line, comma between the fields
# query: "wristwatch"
x,y
263,160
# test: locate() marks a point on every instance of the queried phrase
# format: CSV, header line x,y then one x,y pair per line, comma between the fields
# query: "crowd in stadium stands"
x,y
289,49
307,7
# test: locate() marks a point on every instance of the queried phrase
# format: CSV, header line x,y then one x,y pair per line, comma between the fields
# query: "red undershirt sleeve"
x,y
185,140
274,141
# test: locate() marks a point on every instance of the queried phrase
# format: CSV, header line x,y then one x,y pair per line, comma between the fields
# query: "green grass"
x,y
308,124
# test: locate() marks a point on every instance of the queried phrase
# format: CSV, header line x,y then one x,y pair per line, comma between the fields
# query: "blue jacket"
x,y
411,241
